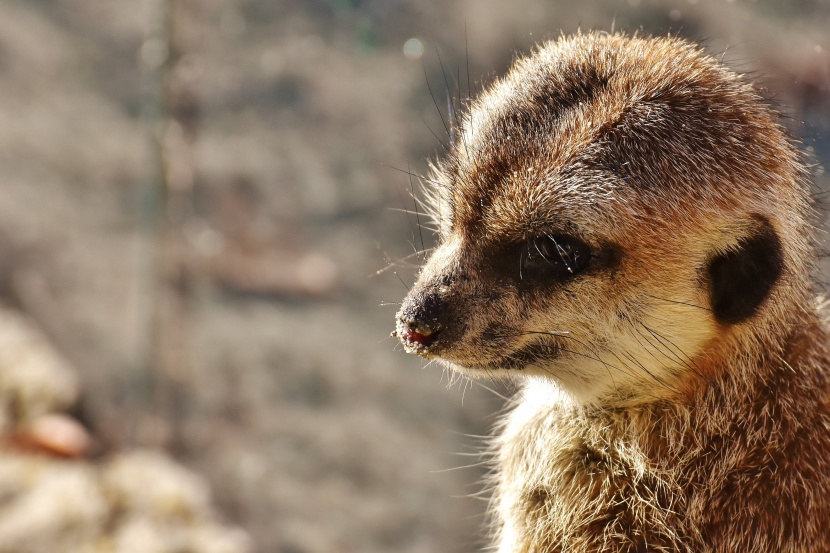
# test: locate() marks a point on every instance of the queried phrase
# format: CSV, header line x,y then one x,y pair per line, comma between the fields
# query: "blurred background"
x,y
203,221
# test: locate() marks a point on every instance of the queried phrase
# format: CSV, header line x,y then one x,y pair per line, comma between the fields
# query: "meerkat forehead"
x,y
594,120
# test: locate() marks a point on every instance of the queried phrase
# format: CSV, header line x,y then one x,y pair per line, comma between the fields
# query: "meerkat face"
x,y
607,220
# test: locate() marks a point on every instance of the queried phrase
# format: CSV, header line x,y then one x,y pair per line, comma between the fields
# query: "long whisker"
x,y
689,363
565,334
411,174
658,379
399,263
678,302
434,101
417,213
405,285
432,132
411,228
628,364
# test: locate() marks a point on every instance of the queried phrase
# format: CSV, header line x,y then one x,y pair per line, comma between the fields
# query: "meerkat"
x,y
625,229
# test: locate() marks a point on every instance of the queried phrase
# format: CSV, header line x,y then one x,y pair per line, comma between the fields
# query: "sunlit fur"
x,y
649,425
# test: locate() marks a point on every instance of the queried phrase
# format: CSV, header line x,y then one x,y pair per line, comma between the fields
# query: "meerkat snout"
x,y
421,320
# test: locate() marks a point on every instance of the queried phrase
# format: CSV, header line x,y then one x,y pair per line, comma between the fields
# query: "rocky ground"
x,y
55,497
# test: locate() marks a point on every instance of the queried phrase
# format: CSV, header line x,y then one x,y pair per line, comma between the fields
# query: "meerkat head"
x,y
616,215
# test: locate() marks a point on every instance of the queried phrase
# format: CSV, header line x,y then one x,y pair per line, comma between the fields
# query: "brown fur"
x,y
651,418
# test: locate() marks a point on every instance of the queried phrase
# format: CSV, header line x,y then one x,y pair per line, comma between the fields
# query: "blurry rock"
x,y
141,502
54,500
212,538
59,507
149,483
316,273
244,250
34,378
141,534
53,434
166,508
275,273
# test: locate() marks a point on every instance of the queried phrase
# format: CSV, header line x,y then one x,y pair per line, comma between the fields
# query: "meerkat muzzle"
x,y
420,321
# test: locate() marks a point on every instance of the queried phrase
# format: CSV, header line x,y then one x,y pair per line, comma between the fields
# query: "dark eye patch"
x,y
553,257
550,259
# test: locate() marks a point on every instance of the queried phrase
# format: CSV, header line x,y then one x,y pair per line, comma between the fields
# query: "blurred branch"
x,y
161,298
154,59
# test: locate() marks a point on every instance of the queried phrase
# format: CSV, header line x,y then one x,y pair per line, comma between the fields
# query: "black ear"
x,y
742,278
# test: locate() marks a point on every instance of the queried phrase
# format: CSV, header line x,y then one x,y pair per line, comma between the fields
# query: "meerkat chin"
x,y
624,220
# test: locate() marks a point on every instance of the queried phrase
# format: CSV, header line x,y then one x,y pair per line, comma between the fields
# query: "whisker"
x,y
689,363
411,174
491,390
566,334
402,282
624,367
408,212
443,146
471,466
434,101
678,302
755,325
658,379
467,59
417,213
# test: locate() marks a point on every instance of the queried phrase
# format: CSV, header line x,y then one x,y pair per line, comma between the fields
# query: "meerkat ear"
x,y
742,277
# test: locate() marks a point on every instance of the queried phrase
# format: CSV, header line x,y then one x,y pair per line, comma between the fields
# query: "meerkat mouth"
x,y
424,341
533,355
416,339
529,355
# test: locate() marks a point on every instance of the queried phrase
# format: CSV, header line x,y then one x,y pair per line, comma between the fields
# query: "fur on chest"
x,y
562,487
570,482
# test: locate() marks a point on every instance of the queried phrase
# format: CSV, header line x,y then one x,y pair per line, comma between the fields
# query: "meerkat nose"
x,y
419,322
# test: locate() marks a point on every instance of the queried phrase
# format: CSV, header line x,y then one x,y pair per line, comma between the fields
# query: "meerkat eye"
x,y
554,257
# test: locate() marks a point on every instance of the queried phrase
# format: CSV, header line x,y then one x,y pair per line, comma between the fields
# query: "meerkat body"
x,y
625,229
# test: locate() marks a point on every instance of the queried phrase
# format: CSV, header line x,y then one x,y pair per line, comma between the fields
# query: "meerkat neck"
x,y
680,466
775,385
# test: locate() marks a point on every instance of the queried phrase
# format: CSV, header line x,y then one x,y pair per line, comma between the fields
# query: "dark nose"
x,y
421,319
